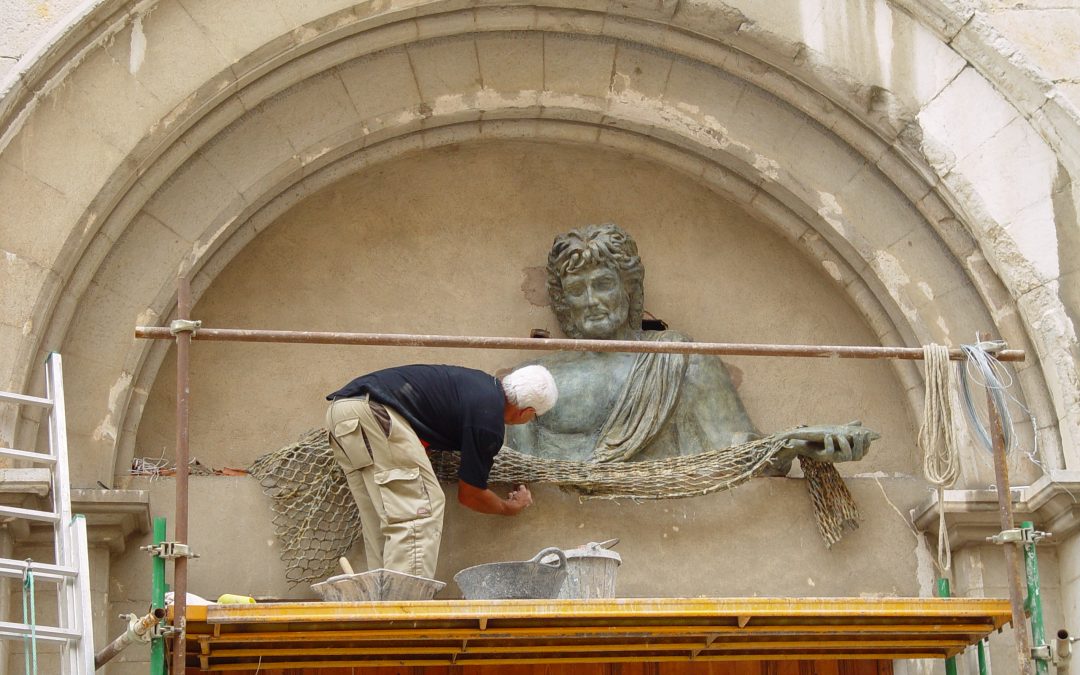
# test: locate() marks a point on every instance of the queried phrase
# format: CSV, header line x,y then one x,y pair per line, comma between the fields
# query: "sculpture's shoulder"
x,y
665,336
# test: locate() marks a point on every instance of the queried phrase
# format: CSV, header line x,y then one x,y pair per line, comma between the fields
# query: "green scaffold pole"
x,y
157,644
943,592
1033,604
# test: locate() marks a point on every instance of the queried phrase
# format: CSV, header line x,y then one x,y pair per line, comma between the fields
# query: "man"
x,y
634,407
380,427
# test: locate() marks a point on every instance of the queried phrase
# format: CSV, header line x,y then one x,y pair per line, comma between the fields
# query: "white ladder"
x,y
71,572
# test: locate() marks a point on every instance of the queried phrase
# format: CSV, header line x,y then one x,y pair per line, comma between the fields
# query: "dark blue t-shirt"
x,y
449,407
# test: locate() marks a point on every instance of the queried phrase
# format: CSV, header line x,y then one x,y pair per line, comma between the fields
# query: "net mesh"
x,y
316,520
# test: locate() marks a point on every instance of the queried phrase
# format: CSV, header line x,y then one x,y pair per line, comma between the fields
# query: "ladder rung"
x,y
40,457
29,514
20,630
8,397
16,569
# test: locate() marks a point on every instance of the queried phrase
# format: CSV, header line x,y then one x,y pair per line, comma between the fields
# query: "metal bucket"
x,y
525,580
590,571
377,585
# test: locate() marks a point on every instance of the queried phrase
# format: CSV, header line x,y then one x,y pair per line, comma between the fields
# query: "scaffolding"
x,y
183,330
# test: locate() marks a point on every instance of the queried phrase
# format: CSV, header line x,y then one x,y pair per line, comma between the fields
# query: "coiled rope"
x,y
937,437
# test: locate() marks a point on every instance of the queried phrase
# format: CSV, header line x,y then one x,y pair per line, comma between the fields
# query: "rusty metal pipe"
x,y
180,528
137,632
1013,550
555,344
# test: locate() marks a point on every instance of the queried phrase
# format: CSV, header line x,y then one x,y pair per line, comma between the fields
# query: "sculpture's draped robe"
x,y
646,401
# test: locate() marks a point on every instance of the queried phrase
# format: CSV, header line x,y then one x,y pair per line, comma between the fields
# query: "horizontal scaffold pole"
x,y
557,344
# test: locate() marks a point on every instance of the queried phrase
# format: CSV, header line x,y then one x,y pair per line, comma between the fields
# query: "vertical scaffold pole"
x,y
943,592
1034,599
1012,555
157,644
183,394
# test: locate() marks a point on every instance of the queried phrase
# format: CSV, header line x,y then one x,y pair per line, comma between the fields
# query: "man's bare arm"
x,y
486,501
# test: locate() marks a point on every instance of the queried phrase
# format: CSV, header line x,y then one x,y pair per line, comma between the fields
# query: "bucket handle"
x,y
551,550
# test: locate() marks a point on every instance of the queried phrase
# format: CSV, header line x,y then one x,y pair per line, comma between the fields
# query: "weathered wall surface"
x,y
443,242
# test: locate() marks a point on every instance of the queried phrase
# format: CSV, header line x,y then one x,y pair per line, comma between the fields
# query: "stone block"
x,y
75,166
36,217
246,149
236,28
1036,233
145,257
300,12
1047,36
963,117
569,21
128,113
577,65
767,125
506,19
309,112
191,198
103,329
1071,92
169,53
640,71
445,68
872,208
710,18
730,184
381,84
22,280
872,41
688,92
511,61
446,24
811,147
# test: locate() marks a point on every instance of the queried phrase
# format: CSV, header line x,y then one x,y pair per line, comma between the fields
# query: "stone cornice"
x,y
112,516
1052,503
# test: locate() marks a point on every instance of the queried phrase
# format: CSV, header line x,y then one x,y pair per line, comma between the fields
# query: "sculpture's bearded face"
x,y
596,282
598,304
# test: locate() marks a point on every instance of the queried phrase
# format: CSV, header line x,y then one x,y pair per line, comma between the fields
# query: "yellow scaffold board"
x,y
477,632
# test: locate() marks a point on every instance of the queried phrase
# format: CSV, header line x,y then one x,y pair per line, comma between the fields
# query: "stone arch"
x,y
158,163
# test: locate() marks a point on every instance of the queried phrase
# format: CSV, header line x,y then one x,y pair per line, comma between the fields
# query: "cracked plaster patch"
x,y
106,431
833,269
892,275
768,167
831,212
138,46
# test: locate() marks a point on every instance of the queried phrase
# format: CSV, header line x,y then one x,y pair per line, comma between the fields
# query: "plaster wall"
x,y
453,241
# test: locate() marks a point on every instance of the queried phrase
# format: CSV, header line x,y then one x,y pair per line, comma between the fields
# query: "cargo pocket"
x,y
404,495
349,445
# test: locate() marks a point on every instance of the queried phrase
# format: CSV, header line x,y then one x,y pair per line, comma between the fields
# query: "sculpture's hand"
x,y
831,443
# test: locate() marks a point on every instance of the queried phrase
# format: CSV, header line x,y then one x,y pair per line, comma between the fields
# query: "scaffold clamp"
x,y
184,326
1042,653
1023,535
170,550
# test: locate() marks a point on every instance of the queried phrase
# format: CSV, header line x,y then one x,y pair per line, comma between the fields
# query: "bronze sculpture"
x,y
630,407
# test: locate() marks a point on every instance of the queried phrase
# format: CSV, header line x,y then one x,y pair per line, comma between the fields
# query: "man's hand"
x,y
486,501
831,443
521,498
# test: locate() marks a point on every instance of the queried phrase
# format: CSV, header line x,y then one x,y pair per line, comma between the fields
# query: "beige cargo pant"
x,y
391,479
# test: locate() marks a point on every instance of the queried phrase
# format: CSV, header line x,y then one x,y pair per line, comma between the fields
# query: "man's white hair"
x,y
531,387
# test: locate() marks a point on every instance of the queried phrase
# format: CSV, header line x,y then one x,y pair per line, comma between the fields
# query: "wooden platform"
x,y
315,635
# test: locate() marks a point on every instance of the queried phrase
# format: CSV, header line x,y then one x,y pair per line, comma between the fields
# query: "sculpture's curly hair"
x,y
606,244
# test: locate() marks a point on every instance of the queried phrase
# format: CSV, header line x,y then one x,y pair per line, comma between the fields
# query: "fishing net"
x,y
316,519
